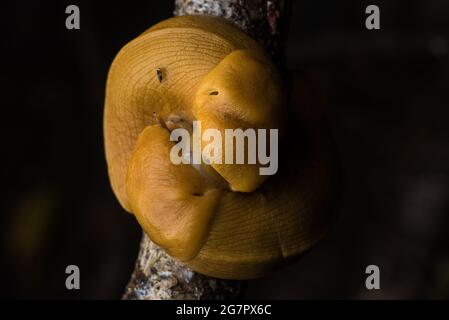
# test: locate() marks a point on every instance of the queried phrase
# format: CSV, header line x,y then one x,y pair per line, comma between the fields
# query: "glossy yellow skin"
x,y
225,221
249,95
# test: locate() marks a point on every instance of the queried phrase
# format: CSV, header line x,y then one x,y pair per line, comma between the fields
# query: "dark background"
x,y
388,94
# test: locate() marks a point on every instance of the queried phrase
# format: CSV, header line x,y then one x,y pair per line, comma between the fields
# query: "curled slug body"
x,y
222,220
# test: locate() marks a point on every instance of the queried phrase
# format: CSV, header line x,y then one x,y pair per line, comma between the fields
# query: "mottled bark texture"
x,y
265,21
156,275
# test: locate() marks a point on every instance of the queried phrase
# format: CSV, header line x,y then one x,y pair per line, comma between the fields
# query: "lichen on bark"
x,y
157,276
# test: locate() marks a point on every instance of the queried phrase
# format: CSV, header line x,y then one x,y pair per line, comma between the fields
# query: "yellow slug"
x,y
222,220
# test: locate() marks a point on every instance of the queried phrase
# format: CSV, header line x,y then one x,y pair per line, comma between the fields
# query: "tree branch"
x,y
265,21
156,275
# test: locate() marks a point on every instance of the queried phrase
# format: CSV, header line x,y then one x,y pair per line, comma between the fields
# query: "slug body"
x,y
222,220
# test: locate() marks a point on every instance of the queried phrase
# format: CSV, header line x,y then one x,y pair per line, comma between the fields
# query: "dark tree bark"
x,y
265,21
156,275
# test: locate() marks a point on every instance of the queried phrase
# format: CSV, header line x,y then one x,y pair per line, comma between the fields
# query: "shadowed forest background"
x,y
388,95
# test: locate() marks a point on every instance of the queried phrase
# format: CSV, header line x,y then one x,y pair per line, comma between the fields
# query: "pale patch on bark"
x,y
157,276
